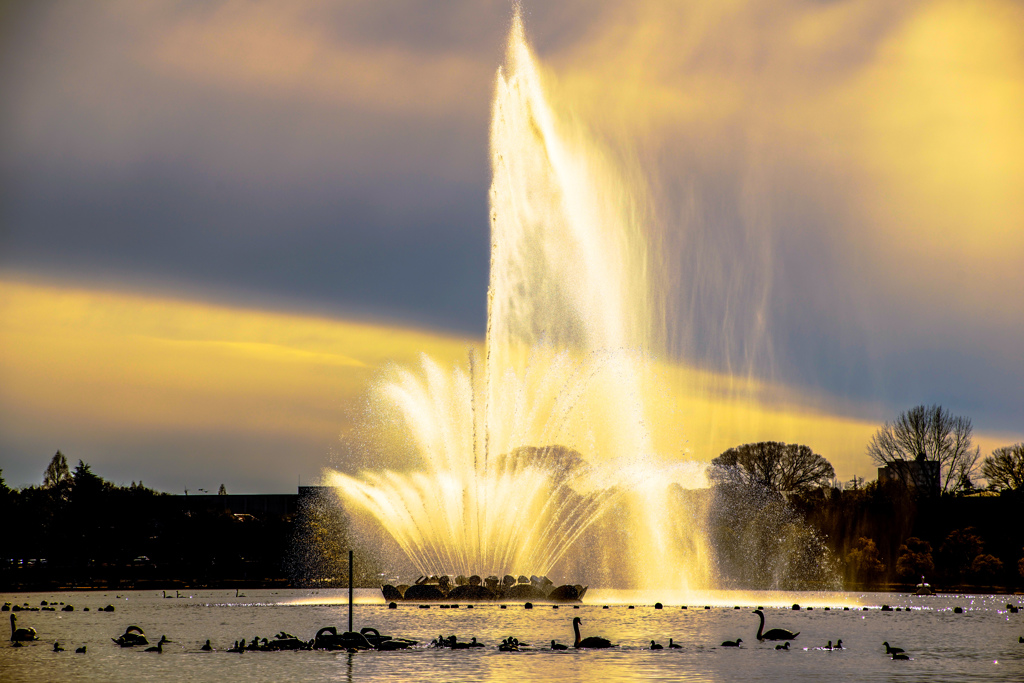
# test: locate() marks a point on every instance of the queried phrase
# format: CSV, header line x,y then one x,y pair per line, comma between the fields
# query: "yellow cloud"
x,y
115,362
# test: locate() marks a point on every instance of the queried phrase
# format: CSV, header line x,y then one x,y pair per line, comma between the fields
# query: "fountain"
x,y
522,450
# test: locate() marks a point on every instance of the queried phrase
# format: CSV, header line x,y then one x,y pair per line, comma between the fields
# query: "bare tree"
x,y
1004,469
56,472
786,468
929,433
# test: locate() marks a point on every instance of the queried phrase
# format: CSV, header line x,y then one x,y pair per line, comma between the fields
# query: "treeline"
x,y
79,530
886,535
930,515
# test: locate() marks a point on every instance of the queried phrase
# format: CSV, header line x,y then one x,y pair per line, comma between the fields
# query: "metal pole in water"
x,y
350,591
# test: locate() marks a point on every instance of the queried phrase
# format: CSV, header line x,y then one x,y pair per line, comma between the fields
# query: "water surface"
x,y
979,644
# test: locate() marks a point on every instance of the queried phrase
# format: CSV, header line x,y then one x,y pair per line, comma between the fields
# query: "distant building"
x,y
919,474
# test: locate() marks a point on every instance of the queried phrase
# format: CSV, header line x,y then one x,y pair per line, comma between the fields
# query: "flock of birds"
x,y
369,638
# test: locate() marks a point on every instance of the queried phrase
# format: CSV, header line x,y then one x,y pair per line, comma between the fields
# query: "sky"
x,y
222,222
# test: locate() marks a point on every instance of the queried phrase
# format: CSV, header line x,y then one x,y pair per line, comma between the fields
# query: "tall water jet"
x,y
521,452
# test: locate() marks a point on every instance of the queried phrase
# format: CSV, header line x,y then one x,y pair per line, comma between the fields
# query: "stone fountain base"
x,y
475,589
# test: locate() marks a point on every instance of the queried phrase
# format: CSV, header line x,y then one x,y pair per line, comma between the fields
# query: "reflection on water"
x,y
979,644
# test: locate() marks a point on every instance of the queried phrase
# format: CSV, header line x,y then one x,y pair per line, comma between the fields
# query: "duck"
x,y
207,647
21,634
674,646
509,645
783,647
839,645
558,646
57,647
1012,608
590,642
773,634
473,643
80,650
732,643
656,646
892,650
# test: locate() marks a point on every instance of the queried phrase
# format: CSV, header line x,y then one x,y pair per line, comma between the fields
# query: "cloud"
x,y
106,375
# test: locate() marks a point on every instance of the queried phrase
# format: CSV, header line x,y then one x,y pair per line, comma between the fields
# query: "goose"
x,y
783,647
20,634
892,650
674,646
558,646
773,634
732,643
656,646
80,650
595,642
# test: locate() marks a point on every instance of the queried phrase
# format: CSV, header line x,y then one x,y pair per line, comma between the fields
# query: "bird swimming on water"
x,y
674,646
593,642
783,647
732,643
558,646
656,646
80,650
773,634
892,650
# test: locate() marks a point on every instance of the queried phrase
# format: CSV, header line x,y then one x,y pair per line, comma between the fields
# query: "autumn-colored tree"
x,y
864,561
915,558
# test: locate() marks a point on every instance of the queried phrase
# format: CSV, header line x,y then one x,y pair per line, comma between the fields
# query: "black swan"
x,y
656,646
133,635
892,650
558,646
20,634
589,642
732,643
775,633
674,646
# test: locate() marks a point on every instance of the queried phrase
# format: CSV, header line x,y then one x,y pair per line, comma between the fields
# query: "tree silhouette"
x,y
1004,469
929,433
785,468
56,472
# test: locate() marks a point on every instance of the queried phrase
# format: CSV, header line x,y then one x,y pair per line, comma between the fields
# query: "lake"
x,y
981,643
